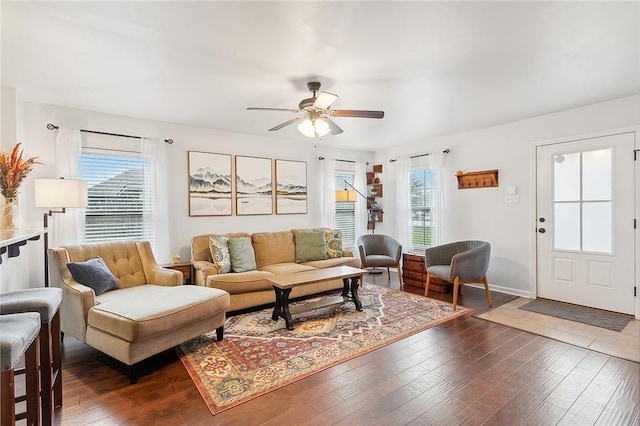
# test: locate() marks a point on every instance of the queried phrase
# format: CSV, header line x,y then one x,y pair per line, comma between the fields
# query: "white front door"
x,y
585,222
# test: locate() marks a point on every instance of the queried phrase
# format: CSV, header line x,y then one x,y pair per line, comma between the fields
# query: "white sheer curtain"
x,y
436,163
156,208
439,234
403,202
361,213
67,228
329,193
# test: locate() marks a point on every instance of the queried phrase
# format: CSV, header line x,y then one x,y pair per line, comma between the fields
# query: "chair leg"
x,y
8,413
388,274
456,283
486,290
400,277
426,286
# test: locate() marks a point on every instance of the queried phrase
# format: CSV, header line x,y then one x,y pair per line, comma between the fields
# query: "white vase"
x,y
9,215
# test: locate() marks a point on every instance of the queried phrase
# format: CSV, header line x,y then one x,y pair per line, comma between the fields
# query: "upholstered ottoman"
x,y
131,324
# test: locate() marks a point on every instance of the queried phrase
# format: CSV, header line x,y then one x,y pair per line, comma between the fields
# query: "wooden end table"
x,y
185,268
283,284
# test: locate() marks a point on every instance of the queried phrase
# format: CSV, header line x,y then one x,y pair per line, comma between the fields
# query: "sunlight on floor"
x,y
624,344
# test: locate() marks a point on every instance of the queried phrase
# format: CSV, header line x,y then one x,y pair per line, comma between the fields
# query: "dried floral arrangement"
x,y
13,170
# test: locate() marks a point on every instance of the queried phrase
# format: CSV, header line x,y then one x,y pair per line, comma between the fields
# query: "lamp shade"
x,y
59,193
345,195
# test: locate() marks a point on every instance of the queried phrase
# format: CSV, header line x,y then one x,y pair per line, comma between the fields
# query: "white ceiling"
x,y
434,67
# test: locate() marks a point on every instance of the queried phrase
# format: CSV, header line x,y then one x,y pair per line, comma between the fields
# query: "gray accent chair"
x,y
379,250
460,262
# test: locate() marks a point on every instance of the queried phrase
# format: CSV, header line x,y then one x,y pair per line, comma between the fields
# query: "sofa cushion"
x,y
219,246
93,273
333,242
337,261
286,268
243,282
121,313
242,254
310,246
273,247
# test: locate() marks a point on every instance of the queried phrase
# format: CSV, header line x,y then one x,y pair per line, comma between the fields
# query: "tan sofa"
x,y
150,310
275,254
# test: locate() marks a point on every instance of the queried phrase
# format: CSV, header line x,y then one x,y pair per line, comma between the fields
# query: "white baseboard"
x,y
506,290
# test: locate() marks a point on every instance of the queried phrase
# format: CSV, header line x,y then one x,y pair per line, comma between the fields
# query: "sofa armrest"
x,y
202,269
154,273
77,299
166,277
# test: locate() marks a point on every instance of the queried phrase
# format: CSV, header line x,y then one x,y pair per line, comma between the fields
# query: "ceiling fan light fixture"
x,y
322,127
306,128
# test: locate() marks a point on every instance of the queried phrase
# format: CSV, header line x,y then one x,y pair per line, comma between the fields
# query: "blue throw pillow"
x,y
243,258
93,273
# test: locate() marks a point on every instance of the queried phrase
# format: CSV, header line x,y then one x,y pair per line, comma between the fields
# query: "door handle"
x,y
541,230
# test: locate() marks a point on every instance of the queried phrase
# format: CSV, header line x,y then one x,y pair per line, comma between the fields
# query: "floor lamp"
x,y
58,194
374,210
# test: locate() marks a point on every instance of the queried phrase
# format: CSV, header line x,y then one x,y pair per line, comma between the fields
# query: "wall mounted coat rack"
x,y
480,179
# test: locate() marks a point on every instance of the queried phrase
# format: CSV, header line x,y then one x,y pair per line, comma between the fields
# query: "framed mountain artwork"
x,y
291,187
209,184
254,186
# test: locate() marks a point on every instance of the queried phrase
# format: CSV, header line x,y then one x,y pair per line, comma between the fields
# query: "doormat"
x,y
598,318
259,355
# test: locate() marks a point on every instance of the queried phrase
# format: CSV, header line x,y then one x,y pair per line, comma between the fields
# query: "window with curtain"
x,y
118,196
346,211
421,195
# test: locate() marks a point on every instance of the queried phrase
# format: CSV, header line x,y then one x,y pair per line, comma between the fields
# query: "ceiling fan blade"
x,y
357,113
286,123
324,100
271,109
335,129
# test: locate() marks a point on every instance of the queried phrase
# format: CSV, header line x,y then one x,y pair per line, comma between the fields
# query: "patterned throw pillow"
x,y
333,238
219,246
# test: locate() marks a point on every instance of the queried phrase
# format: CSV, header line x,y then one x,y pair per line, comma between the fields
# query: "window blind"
x,y
116,207
345,212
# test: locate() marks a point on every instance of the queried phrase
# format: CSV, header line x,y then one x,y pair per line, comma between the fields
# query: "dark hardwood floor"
x,y
465,371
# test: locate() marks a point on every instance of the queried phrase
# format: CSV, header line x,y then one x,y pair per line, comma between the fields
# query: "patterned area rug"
x,y
258,355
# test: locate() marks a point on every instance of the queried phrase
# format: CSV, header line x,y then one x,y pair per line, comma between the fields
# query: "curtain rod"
x,y
446,151
54,127
344,161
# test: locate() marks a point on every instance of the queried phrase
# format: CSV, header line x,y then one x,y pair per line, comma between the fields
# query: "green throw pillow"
x,y
333,239
219,247
310,246
243,258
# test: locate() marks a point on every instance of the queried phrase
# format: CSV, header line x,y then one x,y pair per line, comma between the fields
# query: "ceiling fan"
x,y
314,112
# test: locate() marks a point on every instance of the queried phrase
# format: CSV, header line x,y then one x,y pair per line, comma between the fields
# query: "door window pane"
x,y
566,235
596,227
566,172
596,175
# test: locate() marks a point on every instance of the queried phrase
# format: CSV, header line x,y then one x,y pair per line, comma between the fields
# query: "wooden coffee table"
x,y
283,284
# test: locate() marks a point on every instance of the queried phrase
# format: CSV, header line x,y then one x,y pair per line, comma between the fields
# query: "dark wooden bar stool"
x,y
46,302
19,338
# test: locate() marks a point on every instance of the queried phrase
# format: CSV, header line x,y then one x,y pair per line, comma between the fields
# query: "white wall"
x,y
472,214
483,213
40,141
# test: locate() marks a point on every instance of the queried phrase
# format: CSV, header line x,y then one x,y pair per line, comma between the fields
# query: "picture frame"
x,y
291,187
210,184
253,186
